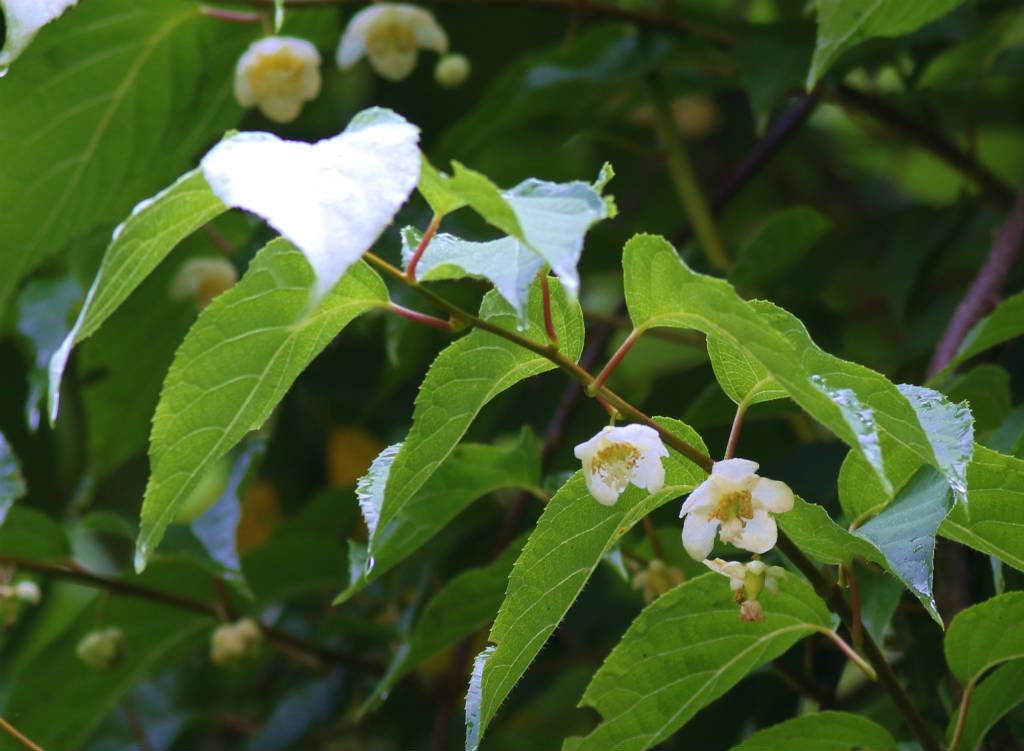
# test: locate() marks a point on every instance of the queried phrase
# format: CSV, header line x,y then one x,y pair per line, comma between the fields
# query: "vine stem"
x,y
18,736
833,597
847,650
613,363
320,653
548,352
428,235
983,293
684,178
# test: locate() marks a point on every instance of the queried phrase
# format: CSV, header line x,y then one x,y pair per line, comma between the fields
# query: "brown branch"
x,y
983,294
927,137
578,8
22,739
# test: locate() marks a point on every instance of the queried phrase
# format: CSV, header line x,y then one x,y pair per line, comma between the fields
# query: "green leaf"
x,y
138,246
570,540
845,23
29,533
905,532
965,65
685,650
1000,692
994,524
44,307
467,602
987,389
950,429
23,18
433,187
856,403
810,527
778,246
466,376
985,635
773,59
12,484
235,365
106,88
822,731
551,219
508,264
470,472
742,378
332,198
153,633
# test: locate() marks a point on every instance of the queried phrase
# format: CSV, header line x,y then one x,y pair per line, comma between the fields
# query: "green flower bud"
x,y
452,70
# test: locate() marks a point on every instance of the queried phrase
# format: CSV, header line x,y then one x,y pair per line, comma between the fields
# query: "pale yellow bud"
x,y
202,279
232,642
452,70
101,649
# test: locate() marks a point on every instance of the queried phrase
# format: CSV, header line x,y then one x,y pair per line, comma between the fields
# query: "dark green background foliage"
x,y
859,159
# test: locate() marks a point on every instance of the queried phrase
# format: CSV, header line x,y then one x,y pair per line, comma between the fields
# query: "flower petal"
x,y
759,534
605,494
282,109
393,65
699,536
734,470
649,473
429,34
353,41
773,495
699,498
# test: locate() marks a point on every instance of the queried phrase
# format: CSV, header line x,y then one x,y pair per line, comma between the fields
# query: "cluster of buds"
x,y
733,503
279,74
657,579
102,648
231,643
13,596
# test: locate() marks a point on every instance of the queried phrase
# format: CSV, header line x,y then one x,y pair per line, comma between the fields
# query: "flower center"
x,y
391,38
735,505
616,464
276,74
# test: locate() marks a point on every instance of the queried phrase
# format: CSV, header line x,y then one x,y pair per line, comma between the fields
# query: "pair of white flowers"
x,y
279,74
734,502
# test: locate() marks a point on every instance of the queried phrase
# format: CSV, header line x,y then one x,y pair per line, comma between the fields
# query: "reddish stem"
x,y
626,345
428,235
856,629
231,16
983,293
548,323
412,315
734,434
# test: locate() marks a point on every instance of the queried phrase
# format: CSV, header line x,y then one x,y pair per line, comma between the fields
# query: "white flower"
x,y
747,580
278,74
738,500
390,35
616,457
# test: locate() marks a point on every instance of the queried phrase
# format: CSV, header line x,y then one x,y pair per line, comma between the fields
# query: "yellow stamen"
x,y
616,464
737,504
391,38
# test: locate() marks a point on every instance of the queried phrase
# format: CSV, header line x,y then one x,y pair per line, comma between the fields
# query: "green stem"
x,y
961,718
833,597
684,178
549,352
847,650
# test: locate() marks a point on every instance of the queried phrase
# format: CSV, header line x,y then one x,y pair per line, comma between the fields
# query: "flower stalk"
x,y
428,235
18,736
549,324
613,363
412,315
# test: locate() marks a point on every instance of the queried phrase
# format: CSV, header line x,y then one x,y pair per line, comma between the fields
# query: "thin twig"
x,y
428,235
414,315
549,324
983,294
18,736
961,717
613,363
135,723
837,603
734,432
928,138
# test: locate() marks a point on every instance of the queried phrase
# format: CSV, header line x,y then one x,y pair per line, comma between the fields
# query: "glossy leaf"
x,y
742,378
139,244
845,23
235,365
950,429
985,635
333,198
822,731
466,376
470,472
812,529
570,540
994,522
662,291
685,650
467,602
82,106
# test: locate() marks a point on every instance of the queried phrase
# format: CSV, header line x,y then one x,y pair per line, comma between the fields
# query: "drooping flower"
x,y
747,581
390,35
616,457
739,501
278,74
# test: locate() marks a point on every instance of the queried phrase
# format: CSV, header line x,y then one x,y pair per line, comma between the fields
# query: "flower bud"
x,y
657,579
27,591
751,611
230,643
452,70
102,648
390,35
202,279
